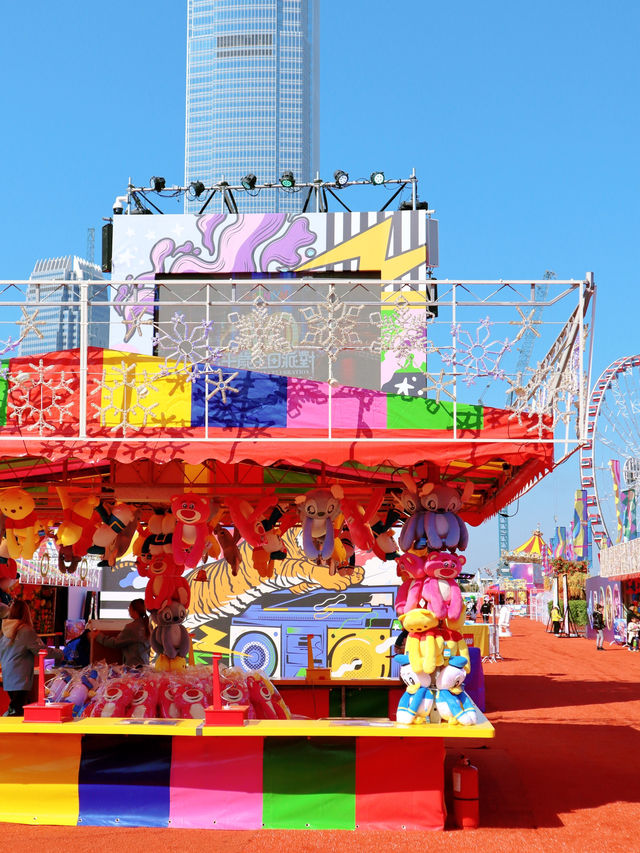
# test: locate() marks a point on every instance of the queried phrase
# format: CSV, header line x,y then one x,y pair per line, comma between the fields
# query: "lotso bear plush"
x,y
440,591
190,536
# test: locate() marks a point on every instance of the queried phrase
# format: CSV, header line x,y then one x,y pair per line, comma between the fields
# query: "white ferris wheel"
x,y
610,460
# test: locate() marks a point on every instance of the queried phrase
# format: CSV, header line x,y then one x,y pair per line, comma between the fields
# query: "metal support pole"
x,y
84,344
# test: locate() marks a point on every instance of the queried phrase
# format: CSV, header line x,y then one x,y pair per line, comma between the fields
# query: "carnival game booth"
x,y
202,465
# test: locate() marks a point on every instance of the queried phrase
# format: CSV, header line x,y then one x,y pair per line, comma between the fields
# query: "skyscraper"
x,y
58,305
251,97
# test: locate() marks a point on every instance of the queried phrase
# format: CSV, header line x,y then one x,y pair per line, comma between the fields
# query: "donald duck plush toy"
x,y
452,702
417,700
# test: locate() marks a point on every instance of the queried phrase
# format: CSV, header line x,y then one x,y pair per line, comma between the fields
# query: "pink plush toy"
x,y
358,518
190,535
267,702
113,700
144,702
411,568
190,701
440,591
165,583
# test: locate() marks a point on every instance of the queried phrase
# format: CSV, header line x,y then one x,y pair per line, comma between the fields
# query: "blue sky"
x,y
521,121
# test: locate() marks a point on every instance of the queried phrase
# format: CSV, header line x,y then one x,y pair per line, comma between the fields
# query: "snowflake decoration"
x,y
403,331
332,327
133,412
186,346
37,396
261,332
436,386
527,324
30,323
477,355
221,385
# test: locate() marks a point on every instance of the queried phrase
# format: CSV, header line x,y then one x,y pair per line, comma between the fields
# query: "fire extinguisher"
x,y
466,810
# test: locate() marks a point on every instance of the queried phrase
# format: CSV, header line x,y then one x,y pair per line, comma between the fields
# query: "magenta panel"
x,y
216,783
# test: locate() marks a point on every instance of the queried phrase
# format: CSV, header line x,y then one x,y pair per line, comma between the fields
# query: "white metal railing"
x,y
454,343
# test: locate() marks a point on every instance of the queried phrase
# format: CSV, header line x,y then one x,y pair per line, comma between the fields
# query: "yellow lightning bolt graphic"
x,y
371,248
209,643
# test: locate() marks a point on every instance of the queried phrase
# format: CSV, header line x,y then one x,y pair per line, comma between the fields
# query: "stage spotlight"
x,y
248,182
196,188
341,178
377,178
287,180
157,184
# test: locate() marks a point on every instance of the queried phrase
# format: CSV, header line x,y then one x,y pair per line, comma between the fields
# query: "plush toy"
x,y
165,583
190,535
318,509
79,522
248,520
425,643
357,517
113,699
234,688
190,701
113,535
229,544
21,523
81,689
56,687
385,546
8,566
453,704
417,701
454,639
267,702
443,527
411,569
440,591
67,561
144,701
272,548
169,639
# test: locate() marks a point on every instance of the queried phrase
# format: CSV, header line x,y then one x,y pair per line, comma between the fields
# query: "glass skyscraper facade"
x,y
251,98
57,299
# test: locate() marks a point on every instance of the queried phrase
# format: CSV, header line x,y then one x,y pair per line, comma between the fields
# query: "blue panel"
x,y
124,781
260,400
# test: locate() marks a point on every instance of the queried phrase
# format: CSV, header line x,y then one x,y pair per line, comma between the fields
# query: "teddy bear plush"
x,y
318,510
165,583
440,591
453,704
21,523
417,700
191,532
425,643
169,638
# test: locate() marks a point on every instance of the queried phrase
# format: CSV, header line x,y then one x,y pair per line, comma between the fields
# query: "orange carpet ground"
x,y
563,772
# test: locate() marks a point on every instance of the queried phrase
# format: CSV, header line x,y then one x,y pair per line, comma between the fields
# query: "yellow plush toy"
x,y
456,642
425,643
21,523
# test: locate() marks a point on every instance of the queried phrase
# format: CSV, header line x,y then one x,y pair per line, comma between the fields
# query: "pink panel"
x,y
307,404
216,783
358,409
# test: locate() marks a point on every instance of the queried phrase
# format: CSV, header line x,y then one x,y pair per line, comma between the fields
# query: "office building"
x,y
55,290
251,98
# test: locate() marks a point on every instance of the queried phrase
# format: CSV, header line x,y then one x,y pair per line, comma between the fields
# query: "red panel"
x,y
395,694
400,783
307,701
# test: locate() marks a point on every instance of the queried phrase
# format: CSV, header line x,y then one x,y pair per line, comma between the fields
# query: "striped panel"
x,y
124,780
216,783
309,784
39,779
400,783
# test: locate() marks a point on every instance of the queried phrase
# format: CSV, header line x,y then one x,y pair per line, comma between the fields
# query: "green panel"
x,y
418,413
4,384
309,784
359,702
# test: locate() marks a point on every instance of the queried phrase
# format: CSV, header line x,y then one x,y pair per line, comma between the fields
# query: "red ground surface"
x,y
563,772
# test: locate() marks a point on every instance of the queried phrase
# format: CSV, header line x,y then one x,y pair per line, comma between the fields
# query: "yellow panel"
x,y
39,779
134,390
358,652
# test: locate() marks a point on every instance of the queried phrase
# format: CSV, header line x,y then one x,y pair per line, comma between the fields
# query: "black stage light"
x,y
287,180
248,182
341,178
377,178
157,184
196,188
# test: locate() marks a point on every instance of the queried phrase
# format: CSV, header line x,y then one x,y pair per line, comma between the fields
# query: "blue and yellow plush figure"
x,y
417,700
453,704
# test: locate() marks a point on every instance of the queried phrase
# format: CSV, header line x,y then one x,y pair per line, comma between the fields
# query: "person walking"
x,y
19,647
134,641
598,627
556,619
485,609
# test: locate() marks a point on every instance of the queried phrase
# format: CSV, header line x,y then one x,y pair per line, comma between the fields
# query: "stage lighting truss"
x,y
318,195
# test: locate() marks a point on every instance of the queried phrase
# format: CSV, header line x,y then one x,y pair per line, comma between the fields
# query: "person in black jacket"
x,y
598,626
